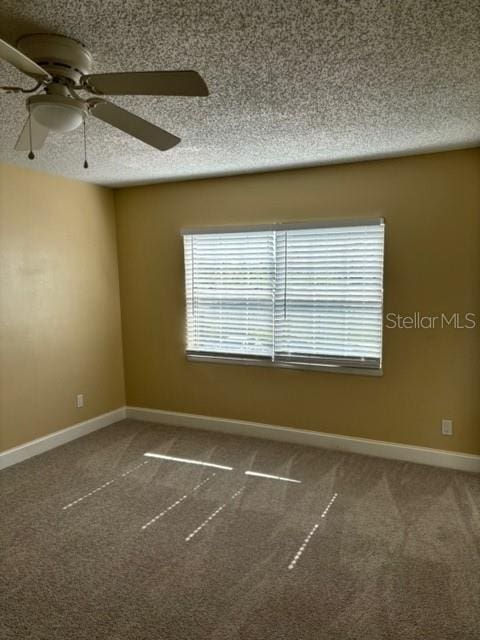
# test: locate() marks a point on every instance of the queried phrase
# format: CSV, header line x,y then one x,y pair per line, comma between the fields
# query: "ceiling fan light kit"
x,y
61,68
57,113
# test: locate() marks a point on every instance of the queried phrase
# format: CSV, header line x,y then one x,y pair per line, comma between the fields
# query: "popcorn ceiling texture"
x,y
292,83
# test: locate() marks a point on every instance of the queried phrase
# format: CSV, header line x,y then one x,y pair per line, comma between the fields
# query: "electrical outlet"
x,y
80,401
447,427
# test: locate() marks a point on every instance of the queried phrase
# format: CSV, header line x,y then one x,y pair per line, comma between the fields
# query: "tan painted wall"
x,y
432,207
60,330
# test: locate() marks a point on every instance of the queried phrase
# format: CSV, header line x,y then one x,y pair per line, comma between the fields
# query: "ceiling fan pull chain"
x,y
31,155
85,163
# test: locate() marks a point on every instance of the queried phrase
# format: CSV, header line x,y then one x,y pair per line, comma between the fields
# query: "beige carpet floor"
x,y
98,541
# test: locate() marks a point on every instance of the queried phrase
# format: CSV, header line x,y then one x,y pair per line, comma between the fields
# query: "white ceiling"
x,y
292,82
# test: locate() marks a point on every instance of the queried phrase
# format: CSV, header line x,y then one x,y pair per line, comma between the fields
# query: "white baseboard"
x,y
378,448
52,440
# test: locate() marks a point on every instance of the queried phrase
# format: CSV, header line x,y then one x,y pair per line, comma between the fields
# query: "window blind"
x,y
329,295
229,279
311,295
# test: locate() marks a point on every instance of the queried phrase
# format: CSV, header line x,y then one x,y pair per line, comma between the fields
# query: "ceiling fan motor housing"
x,y
60,56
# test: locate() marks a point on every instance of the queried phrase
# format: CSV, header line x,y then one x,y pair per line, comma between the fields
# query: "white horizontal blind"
x,y
304,295
229,287
329,295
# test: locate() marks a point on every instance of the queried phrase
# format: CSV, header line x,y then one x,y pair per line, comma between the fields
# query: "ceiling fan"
x,y
60,67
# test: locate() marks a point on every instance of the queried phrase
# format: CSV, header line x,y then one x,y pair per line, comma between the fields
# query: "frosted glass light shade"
x,y
57,117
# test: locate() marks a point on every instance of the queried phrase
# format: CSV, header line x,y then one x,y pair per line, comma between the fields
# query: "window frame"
x,y
333,364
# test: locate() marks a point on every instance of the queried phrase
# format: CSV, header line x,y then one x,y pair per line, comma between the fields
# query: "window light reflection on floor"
x,y
304,544
270,477
202,463
187,461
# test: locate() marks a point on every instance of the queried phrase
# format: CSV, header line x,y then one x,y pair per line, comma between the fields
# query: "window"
x,y
288,295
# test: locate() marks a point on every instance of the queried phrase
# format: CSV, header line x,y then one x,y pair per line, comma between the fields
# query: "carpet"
x,y
99,541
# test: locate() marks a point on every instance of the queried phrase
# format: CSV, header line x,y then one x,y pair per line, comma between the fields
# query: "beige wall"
x,y
432,207
60,331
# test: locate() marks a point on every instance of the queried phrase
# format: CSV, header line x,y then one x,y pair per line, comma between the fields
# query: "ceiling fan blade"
x,y
133,125
147,83
39,135
22,62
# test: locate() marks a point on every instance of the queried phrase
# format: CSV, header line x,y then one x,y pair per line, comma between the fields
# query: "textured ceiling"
x,y
292,82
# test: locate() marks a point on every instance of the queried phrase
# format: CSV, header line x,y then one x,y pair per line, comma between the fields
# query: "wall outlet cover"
x,y
447,427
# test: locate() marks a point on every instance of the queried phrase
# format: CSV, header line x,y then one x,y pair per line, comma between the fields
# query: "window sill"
x,y
323,368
